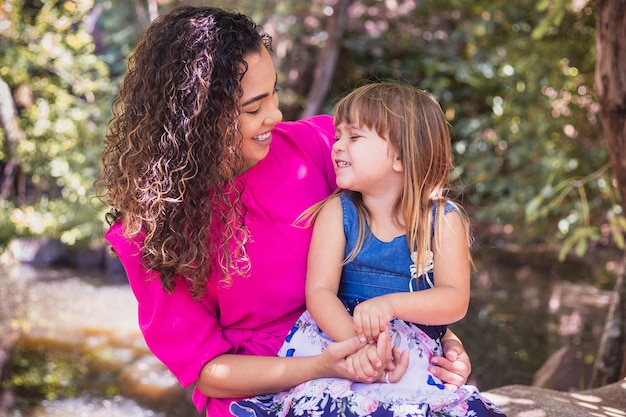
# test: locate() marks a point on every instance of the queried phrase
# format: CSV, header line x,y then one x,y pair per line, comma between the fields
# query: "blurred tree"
x,y
58,90
329,55
610,74
515,81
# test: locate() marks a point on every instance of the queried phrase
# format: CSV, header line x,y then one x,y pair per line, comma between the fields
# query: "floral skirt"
x,y
418,393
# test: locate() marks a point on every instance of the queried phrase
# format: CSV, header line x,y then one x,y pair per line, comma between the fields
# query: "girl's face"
x,y
259,107
364,161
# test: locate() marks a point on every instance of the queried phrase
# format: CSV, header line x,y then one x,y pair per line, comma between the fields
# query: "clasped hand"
x,y
372,317
378,360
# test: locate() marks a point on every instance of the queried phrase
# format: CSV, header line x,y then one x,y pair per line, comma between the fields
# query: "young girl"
x,y
389,250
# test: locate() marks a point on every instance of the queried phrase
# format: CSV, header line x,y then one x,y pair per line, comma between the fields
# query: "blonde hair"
x,y
413,122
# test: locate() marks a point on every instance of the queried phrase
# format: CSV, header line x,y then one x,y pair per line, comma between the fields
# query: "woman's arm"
x,y
237,376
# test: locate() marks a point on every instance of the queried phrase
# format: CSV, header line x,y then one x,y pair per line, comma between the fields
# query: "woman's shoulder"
x,y
320,121
305,144
313,129
122,245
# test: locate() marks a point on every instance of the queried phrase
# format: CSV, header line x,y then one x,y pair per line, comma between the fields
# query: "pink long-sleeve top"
x,y
253,316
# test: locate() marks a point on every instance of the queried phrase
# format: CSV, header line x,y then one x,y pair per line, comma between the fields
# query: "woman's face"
x,y
259,107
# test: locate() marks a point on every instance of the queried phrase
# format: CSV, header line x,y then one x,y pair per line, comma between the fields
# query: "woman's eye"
x,y
253,112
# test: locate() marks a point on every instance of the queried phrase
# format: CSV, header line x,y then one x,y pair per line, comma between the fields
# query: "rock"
x,y
563,371
113,265
41,252
89,258
524,401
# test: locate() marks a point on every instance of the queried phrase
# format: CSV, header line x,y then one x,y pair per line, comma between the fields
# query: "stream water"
x,y
70,345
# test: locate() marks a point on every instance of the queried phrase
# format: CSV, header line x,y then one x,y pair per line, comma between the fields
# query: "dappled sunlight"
x,y
522,401
84,323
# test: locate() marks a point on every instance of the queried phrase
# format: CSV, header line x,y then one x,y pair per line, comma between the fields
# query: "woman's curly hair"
x,y
173,148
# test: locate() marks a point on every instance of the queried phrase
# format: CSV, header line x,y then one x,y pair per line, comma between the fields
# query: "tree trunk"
x,y
606,368
610,80
328,59
13,134
611,83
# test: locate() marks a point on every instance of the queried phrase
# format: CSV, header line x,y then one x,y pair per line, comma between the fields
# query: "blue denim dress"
x,y
379,268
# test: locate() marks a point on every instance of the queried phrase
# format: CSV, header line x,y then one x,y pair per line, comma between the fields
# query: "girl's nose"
x,y
338,145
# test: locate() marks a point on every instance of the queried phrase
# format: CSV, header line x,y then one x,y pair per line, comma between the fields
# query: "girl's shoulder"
x,y
448,206
347,203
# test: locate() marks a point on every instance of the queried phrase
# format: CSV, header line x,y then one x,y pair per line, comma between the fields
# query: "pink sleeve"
x,y
184,334
323,127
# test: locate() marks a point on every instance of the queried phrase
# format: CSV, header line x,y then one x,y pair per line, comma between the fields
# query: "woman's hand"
x,y
368,364
454,367
334,359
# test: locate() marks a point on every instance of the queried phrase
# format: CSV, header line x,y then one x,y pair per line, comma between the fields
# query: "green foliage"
x,y
515,81
53,373
50,376
62,91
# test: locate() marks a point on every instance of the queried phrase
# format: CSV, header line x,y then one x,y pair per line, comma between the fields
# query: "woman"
x,y
204,184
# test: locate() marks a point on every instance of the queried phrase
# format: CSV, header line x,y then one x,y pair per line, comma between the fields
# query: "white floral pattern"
x,y
418,394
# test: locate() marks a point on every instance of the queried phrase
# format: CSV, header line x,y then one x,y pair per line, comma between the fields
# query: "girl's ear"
x,y
397,164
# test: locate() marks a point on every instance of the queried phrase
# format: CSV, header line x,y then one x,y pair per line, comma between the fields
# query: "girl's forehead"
x,y
345,125
350,119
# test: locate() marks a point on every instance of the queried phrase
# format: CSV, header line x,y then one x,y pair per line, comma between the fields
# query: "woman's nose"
x,y
274,116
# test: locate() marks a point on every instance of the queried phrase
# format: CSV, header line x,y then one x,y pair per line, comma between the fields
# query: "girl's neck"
x,y
384,222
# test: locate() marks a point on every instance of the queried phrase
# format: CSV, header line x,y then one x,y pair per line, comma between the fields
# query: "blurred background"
x,y
540,176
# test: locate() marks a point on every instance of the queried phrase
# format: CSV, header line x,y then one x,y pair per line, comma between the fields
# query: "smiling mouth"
x,y
342,164
263,137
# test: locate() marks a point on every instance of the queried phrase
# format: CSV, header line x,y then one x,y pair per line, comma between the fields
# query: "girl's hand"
x,y
371,318
397,367
379,362
370,364
366,364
